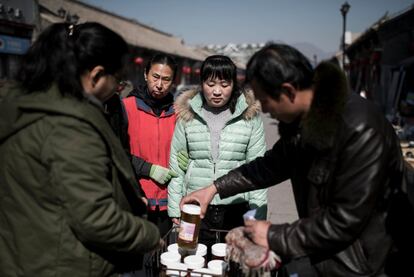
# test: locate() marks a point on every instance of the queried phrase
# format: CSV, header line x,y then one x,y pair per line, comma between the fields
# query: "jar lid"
x,y
201,249
205,272
194,261
169,258
180,269
216,266
219,249
192,209
173,248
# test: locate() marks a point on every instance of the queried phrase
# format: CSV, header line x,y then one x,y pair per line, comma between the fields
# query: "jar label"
x,y
186,231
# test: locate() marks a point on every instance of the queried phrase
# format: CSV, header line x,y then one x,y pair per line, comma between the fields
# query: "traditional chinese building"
x,y
381,63
145,41
17,26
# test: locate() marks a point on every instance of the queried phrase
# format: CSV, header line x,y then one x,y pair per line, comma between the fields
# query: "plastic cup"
x,y
216,266
168,258
218,251
194,261
173,248
201,250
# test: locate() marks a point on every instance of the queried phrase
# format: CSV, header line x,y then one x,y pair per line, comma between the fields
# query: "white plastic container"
x,y
176,269
216,266
218,251
201,250
168,258
173,248
194,261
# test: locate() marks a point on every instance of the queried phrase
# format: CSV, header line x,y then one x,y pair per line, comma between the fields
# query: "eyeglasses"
x,y
120,83
120,86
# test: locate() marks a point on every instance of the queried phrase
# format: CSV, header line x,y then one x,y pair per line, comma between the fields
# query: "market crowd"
x,y
92,179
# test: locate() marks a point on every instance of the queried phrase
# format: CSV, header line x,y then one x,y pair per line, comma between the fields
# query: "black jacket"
x,y
341,160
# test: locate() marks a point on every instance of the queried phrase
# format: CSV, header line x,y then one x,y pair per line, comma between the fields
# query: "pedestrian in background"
x,y
342,156
151,120
220,127
64,179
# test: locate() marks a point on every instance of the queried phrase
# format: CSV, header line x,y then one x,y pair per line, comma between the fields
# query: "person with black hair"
x,y
150,125
68,202
219,126
342,156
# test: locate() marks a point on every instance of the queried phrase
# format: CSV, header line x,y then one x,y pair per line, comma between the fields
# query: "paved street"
x,y
281,205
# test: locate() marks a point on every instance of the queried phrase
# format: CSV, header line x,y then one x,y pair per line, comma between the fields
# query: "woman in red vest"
x,y
151,122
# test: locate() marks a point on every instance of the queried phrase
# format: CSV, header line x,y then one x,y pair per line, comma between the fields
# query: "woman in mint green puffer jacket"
x,y
220,127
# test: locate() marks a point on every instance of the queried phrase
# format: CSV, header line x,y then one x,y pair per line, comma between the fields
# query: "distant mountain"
x,y
310,50
242,52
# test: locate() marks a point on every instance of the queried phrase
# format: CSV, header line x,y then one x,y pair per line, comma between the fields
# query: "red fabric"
x,y
150,139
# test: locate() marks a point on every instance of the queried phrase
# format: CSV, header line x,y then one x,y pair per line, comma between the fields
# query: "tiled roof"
x,y
132,31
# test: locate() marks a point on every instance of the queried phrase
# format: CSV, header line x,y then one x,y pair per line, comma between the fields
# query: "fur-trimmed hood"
x,y
187,104
319,127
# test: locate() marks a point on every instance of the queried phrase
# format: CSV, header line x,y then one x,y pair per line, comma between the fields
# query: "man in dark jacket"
x,y
341,155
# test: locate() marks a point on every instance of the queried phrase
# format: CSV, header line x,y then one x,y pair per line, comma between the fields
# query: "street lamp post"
x,y
344,10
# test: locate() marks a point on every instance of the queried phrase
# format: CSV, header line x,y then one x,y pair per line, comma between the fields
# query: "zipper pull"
x,y
214,169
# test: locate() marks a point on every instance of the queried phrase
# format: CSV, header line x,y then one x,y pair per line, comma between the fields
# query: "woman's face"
x,y
217,92
159,80
109,87
99,84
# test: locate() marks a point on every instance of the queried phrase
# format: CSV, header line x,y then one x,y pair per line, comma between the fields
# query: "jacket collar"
x,y
148,104
320,126
146,108
190,103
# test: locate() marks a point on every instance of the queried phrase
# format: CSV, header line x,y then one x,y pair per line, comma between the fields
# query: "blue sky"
x,y
223,21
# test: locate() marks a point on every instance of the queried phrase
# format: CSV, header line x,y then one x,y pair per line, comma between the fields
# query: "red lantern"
x,y
138,61
197,71
375,57
186,69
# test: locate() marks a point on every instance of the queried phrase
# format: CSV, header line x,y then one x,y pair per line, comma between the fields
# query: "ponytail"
x,y
63,52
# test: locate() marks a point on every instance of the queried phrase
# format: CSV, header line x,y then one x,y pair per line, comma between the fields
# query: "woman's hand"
x,y
161,174
202,196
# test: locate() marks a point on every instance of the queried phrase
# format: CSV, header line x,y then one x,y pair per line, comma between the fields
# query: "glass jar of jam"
x,y
189,227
